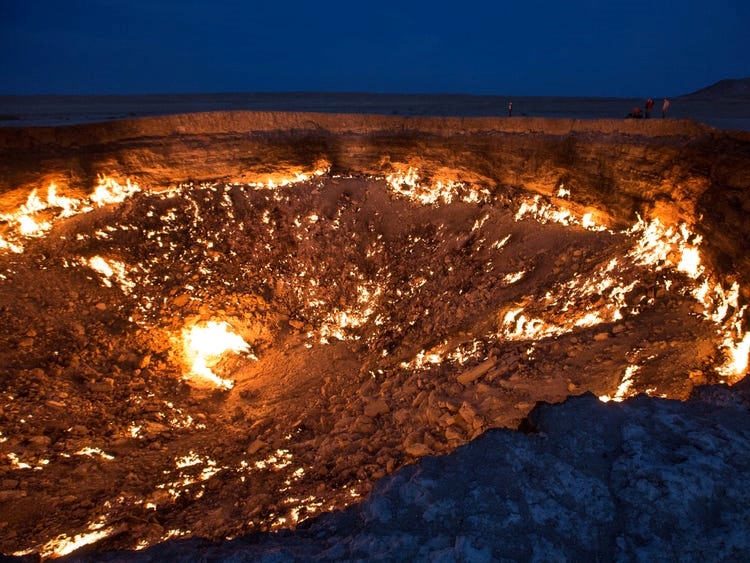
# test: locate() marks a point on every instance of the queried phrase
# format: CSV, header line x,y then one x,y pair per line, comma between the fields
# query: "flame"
x,y
91,452
408,184
283,181
623,390
545,212
109,190
64,545
111,269
737,361
204,345
657,246
25,222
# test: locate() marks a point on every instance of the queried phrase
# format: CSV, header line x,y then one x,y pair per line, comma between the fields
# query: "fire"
x,y
89,451
545,212
623,390
205,345
408,184
28,222
109,191
63,545
737,362
111,269
283,181
657,246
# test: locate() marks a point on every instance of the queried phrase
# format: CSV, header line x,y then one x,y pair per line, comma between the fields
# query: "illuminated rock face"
x,y
375,290
676,170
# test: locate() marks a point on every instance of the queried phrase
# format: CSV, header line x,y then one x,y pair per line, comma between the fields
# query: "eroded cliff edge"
x,y
679,171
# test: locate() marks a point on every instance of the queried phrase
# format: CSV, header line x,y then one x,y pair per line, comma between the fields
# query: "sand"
x,y
722,112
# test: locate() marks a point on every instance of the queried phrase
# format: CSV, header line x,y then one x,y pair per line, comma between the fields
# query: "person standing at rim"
x,y
510,109
649,105
664,108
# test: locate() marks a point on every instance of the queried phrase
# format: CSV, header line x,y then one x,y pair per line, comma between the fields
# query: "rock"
x,y
152,428
467,412
9,496
376,408
40,442
454,434
432,414
476,372
419,399
364,425
600,336
403,416
181,300
256,446
104,386
55,404
37,375
698,377
417,450
79,430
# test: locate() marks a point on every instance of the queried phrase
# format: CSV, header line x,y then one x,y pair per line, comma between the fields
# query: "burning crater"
x,y
212,357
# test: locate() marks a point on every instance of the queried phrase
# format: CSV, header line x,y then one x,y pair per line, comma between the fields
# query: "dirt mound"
x,y
730,89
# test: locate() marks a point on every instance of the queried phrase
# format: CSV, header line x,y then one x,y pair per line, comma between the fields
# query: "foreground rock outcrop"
x,y
645,480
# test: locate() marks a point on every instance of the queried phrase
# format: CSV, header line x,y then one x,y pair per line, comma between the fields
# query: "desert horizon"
x,y
724,105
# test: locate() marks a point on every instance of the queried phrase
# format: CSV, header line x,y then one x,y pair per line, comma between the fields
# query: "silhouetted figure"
x,y
635,114
510,109
649,105
664,108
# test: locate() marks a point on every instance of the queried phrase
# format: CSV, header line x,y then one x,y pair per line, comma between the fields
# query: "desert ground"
x,y
393,288
718,109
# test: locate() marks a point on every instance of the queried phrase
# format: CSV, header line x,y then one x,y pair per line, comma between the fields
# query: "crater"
x,y
224,323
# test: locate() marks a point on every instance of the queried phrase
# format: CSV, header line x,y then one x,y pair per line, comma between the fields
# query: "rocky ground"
x,y
381,328
644,480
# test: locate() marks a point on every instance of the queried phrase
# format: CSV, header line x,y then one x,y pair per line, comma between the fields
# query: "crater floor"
x,y
379,322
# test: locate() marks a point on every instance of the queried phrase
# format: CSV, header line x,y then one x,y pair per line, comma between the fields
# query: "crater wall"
x,y
679,171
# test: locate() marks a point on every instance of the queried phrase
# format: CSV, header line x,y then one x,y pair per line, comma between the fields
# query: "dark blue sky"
x,y
526,47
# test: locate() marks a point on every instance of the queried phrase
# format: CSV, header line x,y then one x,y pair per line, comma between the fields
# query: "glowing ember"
x,y
204,346
189,460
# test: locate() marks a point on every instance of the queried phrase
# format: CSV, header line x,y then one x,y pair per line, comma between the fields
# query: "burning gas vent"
x,y
219,358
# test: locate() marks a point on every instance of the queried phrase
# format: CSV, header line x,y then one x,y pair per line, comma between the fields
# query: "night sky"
x,y
526,47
